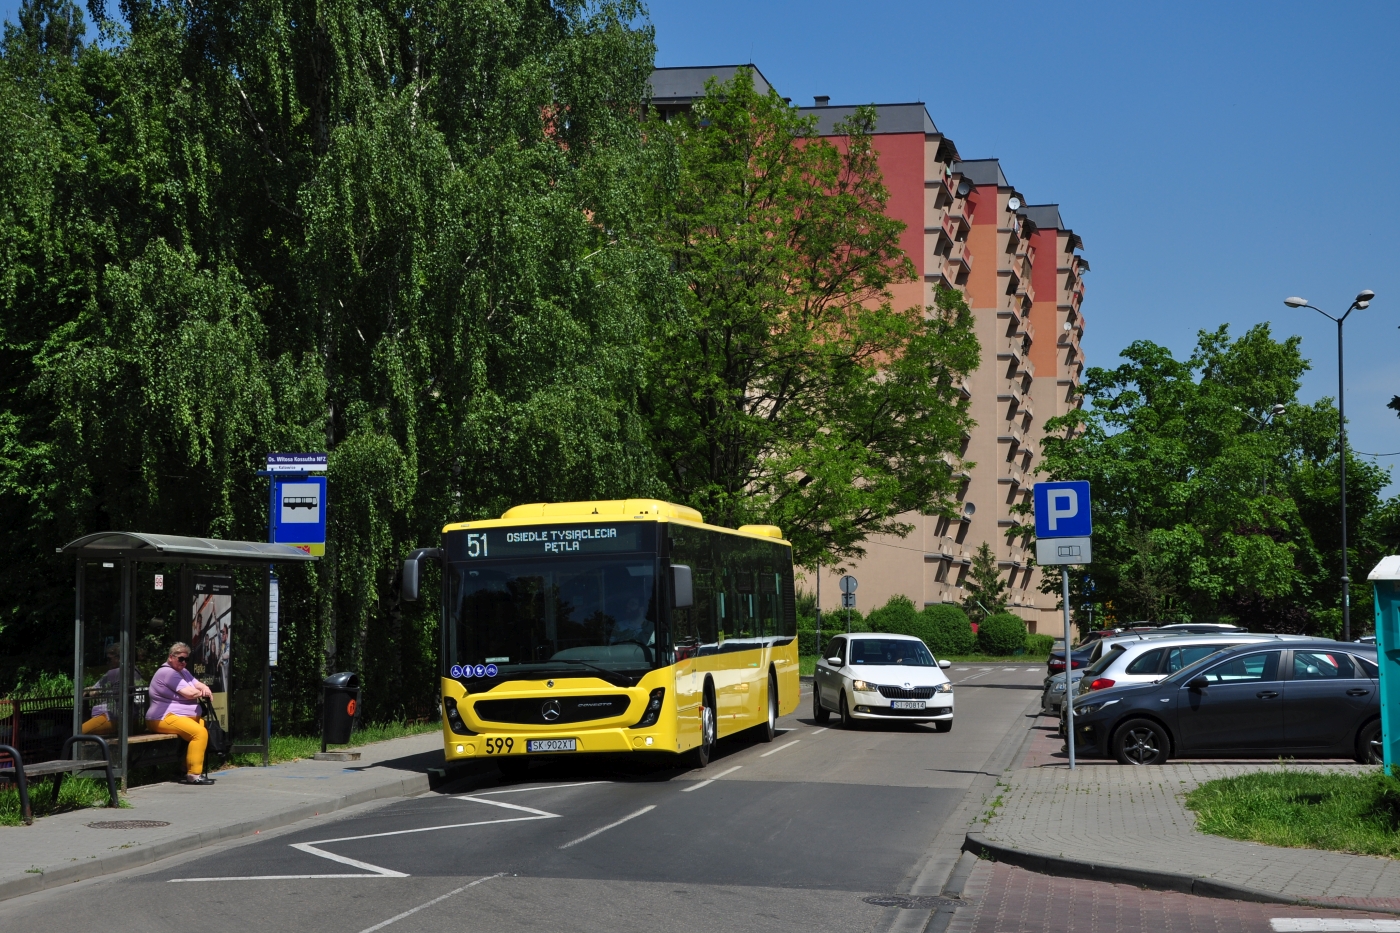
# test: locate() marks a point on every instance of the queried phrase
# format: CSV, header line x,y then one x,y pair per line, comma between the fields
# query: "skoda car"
x,y
1303,699
890,677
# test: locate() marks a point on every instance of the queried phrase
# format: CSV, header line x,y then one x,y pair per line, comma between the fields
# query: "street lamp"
x,y
1363,300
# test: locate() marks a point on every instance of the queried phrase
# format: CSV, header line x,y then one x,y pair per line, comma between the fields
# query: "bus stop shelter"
x,y
122,553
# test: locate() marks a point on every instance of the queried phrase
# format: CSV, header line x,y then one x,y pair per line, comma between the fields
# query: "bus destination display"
x,y
551,540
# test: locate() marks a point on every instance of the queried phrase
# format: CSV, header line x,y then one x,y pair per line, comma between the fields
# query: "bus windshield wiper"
x,y
601,670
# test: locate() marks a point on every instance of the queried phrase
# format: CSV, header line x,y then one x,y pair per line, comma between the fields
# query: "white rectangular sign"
x,y
273,597
1063,551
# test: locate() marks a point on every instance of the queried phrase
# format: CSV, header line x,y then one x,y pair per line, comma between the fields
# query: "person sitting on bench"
x,y
108,686
174,710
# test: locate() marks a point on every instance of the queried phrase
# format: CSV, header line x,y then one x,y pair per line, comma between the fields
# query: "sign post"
x,y
1063,529
848,586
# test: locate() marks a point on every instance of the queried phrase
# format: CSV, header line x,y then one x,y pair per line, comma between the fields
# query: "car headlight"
x,y
944,688
1058,688
863,686
1086,709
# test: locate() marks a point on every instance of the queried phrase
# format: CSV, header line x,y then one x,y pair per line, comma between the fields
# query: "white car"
x,y
877,676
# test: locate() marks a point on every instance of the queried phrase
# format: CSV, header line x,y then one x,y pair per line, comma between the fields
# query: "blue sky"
x,y
1215,157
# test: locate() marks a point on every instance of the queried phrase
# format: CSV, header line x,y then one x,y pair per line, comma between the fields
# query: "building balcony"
x,y
960,254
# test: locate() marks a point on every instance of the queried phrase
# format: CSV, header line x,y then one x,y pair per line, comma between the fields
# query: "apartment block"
x,y
966,227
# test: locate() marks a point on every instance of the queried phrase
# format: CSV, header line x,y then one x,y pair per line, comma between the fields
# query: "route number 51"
x,y
476,545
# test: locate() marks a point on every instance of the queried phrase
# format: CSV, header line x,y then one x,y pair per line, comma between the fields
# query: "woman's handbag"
x,y
219,741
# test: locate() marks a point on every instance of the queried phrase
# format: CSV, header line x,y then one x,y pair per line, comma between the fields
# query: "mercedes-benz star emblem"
x,y
550,710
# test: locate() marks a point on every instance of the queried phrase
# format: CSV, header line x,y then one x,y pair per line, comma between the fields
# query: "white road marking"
x,y
1330,925
962,668
437,900
780,748
821,730
521,790
984,668
700,784
1008,668
312,848
1032,670
603,829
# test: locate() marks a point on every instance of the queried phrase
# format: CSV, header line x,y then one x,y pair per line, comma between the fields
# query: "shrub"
x,y
833,624
947,630
898,617
1039,644
1002,634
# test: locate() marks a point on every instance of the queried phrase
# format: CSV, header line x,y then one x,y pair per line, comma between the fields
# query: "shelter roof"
x,y
176,549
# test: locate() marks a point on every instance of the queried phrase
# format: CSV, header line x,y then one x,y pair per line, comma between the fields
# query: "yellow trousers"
x,y
192,731
99,725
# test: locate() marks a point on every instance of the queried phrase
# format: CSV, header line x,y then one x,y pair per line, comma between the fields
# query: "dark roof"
x,y
982,172
683,85
1044,216
173,548
889,118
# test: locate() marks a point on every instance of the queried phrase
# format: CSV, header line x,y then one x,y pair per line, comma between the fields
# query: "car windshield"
x,y
1101,665
526,617
891,651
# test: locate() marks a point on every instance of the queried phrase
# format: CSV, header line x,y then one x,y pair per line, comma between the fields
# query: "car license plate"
x,y
907,704
551,745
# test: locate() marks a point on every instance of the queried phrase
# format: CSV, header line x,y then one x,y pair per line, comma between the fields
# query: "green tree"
x,y
415,237
987,592
1207,505
785,386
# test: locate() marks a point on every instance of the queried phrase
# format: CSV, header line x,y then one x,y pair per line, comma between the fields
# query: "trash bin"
x,y
340,695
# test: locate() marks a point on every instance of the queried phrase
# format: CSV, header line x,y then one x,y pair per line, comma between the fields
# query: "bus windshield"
x,y
557,616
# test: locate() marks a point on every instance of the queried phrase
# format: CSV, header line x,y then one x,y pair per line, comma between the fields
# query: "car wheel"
x,y
943,725
846,721
1370,748
709,731
513,766
770,728
1140,742
820,714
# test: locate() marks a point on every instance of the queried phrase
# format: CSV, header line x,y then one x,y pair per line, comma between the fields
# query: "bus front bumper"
x,y
542,744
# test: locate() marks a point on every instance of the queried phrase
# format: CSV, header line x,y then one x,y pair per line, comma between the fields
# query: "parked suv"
x,y
1053,697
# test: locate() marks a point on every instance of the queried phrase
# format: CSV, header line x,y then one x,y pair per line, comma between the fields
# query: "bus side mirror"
x,y
682,586
411,567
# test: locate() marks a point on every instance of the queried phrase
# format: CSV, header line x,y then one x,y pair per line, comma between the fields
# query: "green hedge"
x,y
944,628
1002,634
1039,644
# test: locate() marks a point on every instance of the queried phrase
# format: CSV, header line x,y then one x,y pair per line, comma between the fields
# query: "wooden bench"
x,y
21,772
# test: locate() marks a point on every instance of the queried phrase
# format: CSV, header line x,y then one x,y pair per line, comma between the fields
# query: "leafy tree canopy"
x,y
1207,503
786,387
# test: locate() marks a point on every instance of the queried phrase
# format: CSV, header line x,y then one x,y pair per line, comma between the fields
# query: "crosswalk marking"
x,y
1332,925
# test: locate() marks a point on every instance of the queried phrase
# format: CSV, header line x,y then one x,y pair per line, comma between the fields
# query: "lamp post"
x,y
1362,301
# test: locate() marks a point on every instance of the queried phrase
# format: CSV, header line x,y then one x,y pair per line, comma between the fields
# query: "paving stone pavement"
x,y
62,848
1113,818
1004,899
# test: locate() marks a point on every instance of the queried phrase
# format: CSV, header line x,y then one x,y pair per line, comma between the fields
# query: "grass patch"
x,y
292,747
77,793
808,662
1358,813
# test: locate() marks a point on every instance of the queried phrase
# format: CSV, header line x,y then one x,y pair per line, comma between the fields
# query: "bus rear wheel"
x,y
769,730
709,732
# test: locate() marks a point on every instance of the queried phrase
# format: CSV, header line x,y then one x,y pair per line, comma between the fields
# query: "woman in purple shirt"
x,y
174,710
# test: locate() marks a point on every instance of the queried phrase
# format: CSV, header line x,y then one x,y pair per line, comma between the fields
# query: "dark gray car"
x,y
1309,699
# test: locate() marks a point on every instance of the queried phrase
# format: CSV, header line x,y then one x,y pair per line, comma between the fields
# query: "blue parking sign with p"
x,y
1062,510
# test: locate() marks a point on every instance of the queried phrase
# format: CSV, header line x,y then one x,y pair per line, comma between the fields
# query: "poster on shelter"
x,y
209,640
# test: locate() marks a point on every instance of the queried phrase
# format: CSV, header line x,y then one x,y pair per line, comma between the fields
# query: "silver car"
x,y
1053,698
1151,660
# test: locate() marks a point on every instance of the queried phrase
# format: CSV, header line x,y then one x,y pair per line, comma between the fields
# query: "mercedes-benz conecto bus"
x,y
624,626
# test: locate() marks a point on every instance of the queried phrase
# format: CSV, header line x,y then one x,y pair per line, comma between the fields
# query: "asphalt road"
x,y
791,835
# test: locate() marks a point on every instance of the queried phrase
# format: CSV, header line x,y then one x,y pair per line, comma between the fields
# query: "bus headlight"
x,y
653,710
454,718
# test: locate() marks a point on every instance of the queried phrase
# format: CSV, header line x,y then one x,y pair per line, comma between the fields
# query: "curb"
x,y
1047,864
134,858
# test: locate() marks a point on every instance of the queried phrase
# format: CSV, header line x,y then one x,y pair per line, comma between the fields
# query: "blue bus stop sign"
x,y
1385,581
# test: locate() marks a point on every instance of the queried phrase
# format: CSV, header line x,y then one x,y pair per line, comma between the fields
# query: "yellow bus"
x,y
622,626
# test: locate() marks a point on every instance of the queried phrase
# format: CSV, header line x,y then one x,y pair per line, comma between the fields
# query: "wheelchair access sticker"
x,y
480,670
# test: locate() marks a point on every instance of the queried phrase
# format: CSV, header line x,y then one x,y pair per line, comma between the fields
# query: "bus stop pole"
x,y
127,700
1069,681
78,647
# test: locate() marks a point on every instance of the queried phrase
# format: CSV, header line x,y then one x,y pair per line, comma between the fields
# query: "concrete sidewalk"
x,y
63,848
1110,822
